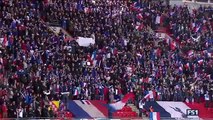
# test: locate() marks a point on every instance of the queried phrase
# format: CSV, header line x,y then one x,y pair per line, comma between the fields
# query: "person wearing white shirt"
x,y
207,99
141,106
20,112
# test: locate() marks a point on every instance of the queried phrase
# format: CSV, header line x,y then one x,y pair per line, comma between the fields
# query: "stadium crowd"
x,y
37,66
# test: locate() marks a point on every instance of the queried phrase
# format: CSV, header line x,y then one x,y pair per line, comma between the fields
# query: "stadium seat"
x,y
135,114
125,112
124,115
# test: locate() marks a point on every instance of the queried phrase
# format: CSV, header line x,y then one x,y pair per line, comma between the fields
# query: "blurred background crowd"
x,y
38,66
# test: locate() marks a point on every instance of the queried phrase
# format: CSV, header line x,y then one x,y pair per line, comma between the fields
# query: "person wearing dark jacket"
x,y
30,113
38,112
12,110
44,112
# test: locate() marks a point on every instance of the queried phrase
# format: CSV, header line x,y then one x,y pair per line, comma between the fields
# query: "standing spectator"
x,y
207,99
20,112
30,112
12,110
197,95
141,107
4,110
38,112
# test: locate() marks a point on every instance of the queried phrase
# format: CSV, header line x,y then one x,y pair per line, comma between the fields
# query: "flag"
x,y
181,69
158,52
114,51
88,108
207,44
94,55
200,62
208,76
173,45
149,95
154,116
197,28
190,53
209,54
171,110
139,16
145,80
120,104
139,55
75,92
86,10
167,40
54,105
62,106
136,7
5,42
139,27
196,39
186,66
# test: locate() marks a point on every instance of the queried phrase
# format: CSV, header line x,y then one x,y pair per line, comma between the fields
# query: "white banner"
x,y
85,42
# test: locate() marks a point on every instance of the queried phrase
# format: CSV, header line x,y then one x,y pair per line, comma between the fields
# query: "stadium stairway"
x,y
54,23
57,30
66,33
134,108
54,26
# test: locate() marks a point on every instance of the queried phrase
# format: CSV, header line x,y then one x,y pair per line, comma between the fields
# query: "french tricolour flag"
x,y
120,104
139,16
190,53
148,95
173,45
181,69
154,116
200,62
76,92
197,28
5,41
139,27
136,7
187,66
93,57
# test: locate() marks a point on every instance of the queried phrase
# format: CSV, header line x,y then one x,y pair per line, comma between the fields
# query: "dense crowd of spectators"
x,y
37,66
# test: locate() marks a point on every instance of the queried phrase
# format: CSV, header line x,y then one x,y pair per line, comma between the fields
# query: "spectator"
x,y
20,112
4,110
207,99
141,109
38,112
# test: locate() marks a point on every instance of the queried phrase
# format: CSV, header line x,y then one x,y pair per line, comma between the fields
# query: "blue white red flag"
x,y
154,116
120,104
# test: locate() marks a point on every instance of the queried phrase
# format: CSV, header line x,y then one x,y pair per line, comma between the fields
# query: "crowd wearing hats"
x,y
38,66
